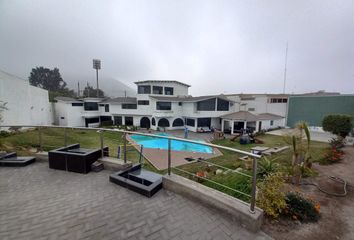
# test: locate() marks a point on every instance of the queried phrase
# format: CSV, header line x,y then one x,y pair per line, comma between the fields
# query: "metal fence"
x,y
64,139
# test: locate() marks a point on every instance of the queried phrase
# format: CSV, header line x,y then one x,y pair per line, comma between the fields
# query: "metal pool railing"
x,y
254,157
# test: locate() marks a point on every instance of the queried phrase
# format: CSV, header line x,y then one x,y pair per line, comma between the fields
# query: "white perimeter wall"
x,y
27,105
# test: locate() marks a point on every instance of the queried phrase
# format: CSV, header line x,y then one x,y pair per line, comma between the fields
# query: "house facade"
x,y
166,104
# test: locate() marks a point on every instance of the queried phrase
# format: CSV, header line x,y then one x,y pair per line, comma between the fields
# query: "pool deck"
x,y
159,157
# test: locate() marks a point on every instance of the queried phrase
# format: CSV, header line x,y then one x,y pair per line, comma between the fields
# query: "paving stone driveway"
x,y
40,203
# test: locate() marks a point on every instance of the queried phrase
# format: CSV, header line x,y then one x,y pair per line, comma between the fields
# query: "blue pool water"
x,y
160,143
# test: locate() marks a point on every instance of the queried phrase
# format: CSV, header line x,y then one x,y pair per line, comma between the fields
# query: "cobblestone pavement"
x,y
40,203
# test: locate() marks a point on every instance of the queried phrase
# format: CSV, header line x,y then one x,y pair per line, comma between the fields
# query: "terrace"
x,y
44,203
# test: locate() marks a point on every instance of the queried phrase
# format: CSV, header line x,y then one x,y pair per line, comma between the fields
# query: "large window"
x,y
128,121
157,90
168,90
77,104
144,89
163,105
91,120
106,108
206,105
163,122
204,122
117,120
129,106
223,105
190,122
91,106
278,100
177,122
143,102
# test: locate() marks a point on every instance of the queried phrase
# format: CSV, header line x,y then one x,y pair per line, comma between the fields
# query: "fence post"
x,y
40,138
141,154
101,139
65,137
125,147
254,185
169,156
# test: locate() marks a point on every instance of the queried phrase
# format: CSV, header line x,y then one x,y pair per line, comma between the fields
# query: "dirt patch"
x,y
337,215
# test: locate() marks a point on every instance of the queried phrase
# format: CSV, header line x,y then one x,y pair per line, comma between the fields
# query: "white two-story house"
x,y
166,104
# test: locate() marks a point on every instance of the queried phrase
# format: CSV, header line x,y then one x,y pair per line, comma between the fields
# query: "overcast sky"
x,y
215,46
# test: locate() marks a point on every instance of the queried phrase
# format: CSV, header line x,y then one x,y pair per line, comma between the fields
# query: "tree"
x,y
338,124
89,91
50,80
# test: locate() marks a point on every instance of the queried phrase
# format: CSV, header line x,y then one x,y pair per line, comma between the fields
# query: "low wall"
x,y
238,209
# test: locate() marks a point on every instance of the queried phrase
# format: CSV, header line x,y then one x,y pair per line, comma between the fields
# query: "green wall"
x,y
313,109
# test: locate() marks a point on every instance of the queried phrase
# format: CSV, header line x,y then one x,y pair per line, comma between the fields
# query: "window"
x,y
204,122
163,105
180,103
105,119
190,122
144,89
129,121
101,105
271,122
177,122
129,106
62,117
117,120
168,90
206,105
91,120
91,106
223,105
157,90
143,102
247,98
278,100
251,109
163,122
106,108
77,104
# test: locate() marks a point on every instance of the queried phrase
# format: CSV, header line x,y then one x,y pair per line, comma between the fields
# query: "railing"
x,y
253,176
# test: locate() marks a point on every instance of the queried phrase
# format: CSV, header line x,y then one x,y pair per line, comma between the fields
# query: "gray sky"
x,y
216,46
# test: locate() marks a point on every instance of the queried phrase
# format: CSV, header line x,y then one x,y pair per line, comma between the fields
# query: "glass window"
x,y
168,90
177,122
190,122
91,106
180,103
129,106
106,108
129,121
271,122
251,109
157,90
206,105
101,105
223,105
163,105
204,122
117,120
143,102
77,104
144,89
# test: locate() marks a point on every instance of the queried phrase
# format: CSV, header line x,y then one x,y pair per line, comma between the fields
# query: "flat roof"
x,y
162,81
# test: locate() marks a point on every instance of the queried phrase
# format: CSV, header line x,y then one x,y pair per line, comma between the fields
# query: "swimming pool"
x,y
161,143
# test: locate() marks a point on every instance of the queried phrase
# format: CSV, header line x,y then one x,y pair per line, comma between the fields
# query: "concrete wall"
x,y
27,105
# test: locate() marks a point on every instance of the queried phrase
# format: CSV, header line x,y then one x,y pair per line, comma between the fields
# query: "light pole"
x,y
97,65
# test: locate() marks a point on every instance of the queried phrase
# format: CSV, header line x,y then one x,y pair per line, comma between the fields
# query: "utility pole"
x,y
88,90
78,89
97,66
286,62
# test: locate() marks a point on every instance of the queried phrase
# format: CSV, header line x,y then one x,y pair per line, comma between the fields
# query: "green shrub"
x,y
338,124
270,197
300,208
267,166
